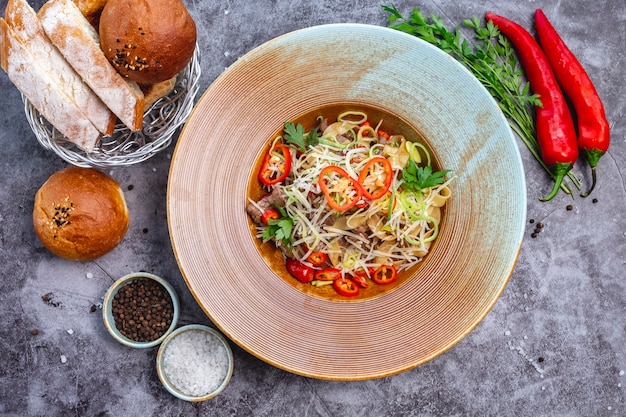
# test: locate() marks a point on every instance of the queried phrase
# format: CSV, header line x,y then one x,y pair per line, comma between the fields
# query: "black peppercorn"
x,y
137,305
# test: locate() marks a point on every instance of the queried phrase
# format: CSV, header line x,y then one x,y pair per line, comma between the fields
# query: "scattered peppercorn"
x,y
142,310
130,187
93,308
531,221
540,360
145,230
569,207
34,332
534,235
594,201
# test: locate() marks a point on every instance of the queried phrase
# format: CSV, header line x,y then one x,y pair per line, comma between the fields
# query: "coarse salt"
x,y
195,362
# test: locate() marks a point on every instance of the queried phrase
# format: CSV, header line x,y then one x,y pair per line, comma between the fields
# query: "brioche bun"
x,y
80,214
147,41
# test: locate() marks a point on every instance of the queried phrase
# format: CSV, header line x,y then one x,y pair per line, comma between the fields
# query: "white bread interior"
x,y
45,94
25,25
78,42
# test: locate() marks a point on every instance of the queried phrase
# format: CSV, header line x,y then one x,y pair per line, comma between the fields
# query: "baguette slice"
x,y
25,25
43,92
78,41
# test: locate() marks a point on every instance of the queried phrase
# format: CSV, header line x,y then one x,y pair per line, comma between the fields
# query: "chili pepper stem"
x,y
593,156
593,182
560,170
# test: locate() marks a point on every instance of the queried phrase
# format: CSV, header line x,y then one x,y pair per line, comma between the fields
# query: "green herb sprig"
x,y
418,178
296,137
493,62
279,229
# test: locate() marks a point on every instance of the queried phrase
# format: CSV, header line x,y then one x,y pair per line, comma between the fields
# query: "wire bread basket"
x,y
125,147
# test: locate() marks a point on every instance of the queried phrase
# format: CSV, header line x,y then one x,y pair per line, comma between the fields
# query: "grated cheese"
x,y
195,362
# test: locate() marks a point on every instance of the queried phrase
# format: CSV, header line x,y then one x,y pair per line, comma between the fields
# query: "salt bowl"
x,y
195,363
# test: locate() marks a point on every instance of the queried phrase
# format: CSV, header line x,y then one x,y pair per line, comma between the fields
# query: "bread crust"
x,y
153,92
147,41
26,27
80,214
91,9
77,40
43,93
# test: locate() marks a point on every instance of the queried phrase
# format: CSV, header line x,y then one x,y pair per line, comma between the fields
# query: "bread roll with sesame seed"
x,y
80,214
147,41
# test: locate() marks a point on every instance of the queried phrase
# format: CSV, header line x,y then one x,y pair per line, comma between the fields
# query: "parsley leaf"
x,y
295,137
279,229
312,139
418,178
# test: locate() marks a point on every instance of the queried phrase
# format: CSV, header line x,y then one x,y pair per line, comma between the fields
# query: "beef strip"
x,y
277,198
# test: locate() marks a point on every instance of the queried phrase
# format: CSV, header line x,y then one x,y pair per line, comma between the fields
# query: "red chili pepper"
x,y
594,133
346,287
300,271
383,134
555,129
360,277
317,258
341,190
275,168
327,274
385,274
369,179
270,214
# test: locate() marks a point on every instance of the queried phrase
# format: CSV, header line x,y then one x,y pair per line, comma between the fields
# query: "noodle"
x,y
394,226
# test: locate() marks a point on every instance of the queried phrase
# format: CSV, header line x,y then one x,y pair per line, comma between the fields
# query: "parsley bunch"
x,y
418,178
493,62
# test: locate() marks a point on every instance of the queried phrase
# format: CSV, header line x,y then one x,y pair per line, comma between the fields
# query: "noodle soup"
x,y
346,201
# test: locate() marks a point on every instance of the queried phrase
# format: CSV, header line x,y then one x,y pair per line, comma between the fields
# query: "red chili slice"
x,y
341,190
275,167
327,274
361,275
346,287
385,274
300,271
317,258
360,280
270,214
373,186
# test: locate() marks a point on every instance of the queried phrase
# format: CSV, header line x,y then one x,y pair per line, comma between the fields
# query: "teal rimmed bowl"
x,y
223,378
107,309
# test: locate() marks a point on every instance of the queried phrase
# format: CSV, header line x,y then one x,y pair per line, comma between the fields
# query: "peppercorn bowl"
x,y
140,310
195,363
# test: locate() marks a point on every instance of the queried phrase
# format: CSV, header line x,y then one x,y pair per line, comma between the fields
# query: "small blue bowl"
x,y
107,313
161,366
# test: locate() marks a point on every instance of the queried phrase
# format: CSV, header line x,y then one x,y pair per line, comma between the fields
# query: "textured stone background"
x,y
553,345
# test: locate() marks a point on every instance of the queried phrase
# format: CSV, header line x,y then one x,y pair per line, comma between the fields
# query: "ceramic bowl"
x,y
204,364
107,313
248,298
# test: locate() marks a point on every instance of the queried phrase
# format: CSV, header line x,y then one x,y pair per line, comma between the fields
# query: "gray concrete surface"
x,y
553,345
